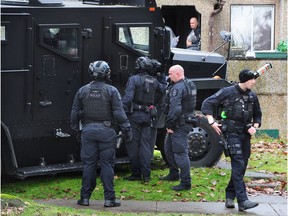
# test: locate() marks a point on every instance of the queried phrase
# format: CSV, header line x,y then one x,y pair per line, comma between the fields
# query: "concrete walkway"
x,y
269,206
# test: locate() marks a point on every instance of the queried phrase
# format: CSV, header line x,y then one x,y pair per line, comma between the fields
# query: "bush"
x,y
282,46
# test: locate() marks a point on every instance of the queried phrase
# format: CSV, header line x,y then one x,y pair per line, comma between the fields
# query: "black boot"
x,y
170,177
181,187
83,202
247,204
146,179
133,178
112,203
229,203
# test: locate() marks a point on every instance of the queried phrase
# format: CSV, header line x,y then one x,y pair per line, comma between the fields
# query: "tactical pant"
x,y
236,187
98,144
139,150
176,151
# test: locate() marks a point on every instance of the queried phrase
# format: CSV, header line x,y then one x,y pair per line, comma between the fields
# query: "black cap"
x,y
246,75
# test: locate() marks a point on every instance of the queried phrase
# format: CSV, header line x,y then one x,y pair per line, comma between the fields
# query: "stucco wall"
x,y
271,87
222,20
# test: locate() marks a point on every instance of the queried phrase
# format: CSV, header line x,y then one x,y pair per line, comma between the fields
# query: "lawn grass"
x,y
208,184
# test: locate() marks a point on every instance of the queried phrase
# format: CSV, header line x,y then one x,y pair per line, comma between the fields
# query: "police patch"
x,y
174,92
95,94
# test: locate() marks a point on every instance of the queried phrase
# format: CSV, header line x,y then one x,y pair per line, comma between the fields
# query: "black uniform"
x,y
139,99
239,110
195,37
181,102
99,107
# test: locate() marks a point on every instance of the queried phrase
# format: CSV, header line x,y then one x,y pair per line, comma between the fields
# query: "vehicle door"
x,y
16,71
57,69
129,41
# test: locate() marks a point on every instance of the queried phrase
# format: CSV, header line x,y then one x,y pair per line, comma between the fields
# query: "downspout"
x,y
218,7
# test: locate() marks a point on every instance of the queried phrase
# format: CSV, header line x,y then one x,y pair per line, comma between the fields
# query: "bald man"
x,y
193,40
180,103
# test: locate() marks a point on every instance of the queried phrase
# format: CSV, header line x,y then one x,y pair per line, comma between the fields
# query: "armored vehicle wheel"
x,y
204,150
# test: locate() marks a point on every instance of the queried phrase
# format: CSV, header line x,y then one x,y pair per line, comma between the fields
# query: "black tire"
x,y
204,150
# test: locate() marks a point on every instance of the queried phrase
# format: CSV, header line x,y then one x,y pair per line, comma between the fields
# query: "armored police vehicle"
x,y
46,50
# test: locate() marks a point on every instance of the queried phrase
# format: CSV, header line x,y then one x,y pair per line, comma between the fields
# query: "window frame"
x,y
133,46
55,50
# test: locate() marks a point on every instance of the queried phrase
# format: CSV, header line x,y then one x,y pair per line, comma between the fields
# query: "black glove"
x,y
128,135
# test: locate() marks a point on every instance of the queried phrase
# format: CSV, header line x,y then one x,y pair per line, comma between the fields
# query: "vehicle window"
x,y
3,33
135,37
62,39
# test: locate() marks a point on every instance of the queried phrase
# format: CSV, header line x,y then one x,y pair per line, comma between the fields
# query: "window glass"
x,y
62,39
135,37
252,27
3,33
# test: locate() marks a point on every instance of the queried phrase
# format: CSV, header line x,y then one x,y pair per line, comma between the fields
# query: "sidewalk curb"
x,y
269,206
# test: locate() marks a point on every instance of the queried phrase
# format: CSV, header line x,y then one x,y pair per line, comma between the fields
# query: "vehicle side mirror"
x,y
226,36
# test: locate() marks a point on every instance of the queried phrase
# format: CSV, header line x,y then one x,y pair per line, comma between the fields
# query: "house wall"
x,y
271,87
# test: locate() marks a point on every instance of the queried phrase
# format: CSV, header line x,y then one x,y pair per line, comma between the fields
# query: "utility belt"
x,y
97,123
148,109
140,107
232,126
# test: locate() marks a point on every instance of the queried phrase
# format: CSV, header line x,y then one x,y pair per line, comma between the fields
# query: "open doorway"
x,y
177,18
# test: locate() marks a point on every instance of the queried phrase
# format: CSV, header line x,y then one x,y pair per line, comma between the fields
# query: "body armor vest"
x,y
145,94
97,105
188,105
239,108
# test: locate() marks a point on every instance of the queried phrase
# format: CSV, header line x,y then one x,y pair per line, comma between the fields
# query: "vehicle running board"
x,y
25,172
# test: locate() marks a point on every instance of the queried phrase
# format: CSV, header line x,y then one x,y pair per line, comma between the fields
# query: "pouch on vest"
x,y
234,144
153,111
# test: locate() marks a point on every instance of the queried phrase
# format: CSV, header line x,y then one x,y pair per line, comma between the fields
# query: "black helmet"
x,y
156,66
143,63
246,75
99,69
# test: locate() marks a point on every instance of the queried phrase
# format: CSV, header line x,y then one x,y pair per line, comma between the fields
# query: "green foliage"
x,y
282,46
207,184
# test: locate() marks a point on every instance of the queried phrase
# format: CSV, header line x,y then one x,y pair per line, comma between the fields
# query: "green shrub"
x,y
282,46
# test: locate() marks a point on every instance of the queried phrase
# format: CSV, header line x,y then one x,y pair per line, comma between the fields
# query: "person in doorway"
x,y
99,107
241,116
193,40
180,105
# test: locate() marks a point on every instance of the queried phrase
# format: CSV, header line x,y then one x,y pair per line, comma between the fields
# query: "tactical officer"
x,y
98,106
139,101
181,102
241,116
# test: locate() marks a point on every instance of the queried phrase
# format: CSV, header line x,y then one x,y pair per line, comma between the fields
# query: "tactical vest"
x,y
188,105
239,108
97,105
145,94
